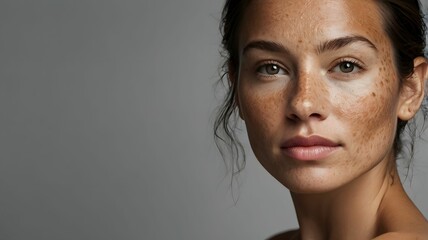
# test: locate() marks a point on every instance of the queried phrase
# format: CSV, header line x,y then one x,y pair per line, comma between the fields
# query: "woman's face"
x,y
317,89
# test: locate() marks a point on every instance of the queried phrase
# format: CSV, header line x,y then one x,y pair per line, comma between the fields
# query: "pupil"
x,y
347,67
273,69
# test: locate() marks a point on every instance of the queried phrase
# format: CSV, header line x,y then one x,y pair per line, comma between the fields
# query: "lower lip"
x,y
312,153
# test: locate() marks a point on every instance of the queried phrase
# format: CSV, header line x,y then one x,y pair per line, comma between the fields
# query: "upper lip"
x,y
300,141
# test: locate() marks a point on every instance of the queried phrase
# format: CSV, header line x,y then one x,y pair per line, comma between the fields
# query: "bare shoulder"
x,y
403,236
289,235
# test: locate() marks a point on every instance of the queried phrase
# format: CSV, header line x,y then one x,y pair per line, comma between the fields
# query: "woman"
x,y
325,88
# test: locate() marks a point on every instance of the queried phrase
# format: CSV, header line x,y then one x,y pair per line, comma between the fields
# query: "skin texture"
x,y
304,89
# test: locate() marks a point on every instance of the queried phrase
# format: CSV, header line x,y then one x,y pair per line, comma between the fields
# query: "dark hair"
x,y
404,25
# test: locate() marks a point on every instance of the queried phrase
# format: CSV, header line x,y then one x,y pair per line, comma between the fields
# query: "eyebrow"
x,y
330,45
338,43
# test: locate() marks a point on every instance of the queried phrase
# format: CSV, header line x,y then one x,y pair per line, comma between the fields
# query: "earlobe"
x,y
412,90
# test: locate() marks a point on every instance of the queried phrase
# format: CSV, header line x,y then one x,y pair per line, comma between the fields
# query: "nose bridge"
x,y
310,94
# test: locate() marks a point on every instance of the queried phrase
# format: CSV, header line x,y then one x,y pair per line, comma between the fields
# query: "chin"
x,y
311,181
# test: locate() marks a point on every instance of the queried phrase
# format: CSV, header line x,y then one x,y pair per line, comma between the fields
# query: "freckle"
x,y
300,40
373,94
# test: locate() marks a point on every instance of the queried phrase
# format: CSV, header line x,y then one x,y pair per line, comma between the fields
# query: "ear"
x,y
233,76
412,90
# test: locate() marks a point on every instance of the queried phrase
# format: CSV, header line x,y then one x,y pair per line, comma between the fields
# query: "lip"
x,y
309,148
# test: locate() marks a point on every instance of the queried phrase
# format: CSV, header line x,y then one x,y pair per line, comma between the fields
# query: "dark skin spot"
x,y
373,94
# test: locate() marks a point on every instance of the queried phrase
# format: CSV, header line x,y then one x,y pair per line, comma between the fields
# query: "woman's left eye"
x,y
346,67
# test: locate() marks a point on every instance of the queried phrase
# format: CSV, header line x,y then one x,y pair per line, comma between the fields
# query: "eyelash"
x,y
347,60
270,63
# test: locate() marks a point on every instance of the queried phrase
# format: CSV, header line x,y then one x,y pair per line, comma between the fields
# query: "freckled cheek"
x,y
367,135
371,122
261,111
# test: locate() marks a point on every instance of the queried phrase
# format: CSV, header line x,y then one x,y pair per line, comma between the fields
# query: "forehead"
x,y
311,21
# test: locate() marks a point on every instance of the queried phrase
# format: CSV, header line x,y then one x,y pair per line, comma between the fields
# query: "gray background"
x,y
106,112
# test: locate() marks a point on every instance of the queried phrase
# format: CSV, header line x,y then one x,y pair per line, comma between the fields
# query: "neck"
x,y
350,212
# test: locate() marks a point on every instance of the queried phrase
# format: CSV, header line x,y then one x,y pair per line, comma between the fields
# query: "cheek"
x,y
262,112
372,118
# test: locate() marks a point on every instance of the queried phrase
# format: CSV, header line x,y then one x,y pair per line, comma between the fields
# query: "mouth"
x,y
309,148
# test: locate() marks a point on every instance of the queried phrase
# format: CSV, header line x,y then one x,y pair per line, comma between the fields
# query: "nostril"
x,y
294,117
297,117
315,115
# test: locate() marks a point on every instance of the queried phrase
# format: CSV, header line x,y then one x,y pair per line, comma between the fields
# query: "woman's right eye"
x,y
271,69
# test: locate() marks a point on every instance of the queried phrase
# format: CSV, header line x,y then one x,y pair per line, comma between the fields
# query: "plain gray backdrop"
x,y
106,113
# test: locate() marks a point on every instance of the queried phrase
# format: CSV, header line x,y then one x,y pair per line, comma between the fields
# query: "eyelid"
x,y
348,59
270,62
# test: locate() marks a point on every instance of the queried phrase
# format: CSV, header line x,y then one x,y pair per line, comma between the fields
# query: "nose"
x,y
309,99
